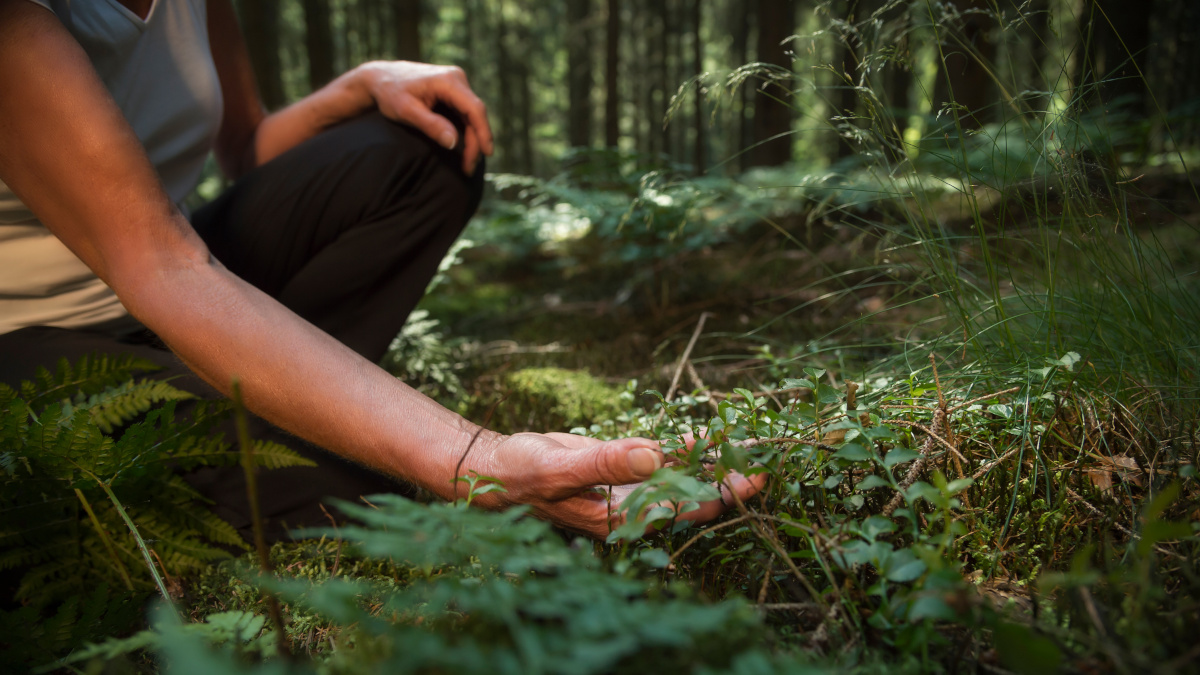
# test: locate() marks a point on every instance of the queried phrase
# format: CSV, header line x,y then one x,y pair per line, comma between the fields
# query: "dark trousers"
x,y
346,230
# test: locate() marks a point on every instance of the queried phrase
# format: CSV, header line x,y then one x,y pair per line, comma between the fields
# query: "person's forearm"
x,y
297,376
344,98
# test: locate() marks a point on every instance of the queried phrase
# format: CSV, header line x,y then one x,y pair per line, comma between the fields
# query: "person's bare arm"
x,y
67,152
403,91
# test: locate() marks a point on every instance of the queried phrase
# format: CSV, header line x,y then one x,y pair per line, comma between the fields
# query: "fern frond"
x,y
56,436
186,512
179,551
272,455
114,406
90,375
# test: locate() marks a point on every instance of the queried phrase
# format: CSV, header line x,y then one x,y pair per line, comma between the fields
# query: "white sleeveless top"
x,y
160,72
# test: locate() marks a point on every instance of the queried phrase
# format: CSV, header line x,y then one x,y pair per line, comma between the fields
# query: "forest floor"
x,y
802,290
947,491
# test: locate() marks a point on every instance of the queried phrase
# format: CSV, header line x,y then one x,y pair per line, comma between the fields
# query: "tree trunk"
x,y
507,112
741,16
675,29
656,93
772,109
408,29
1173,68
846,67
699,153
969,52
318,40
612,94
260,23
1119,57
525,105
579,73
642,89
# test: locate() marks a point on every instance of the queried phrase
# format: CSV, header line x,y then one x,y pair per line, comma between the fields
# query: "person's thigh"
x,y
347,228
289,498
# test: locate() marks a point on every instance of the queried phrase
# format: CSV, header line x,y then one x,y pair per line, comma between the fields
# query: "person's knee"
x,y
410,168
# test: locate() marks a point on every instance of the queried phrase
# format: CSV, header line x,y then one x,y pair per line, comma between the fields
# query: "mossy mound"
x,y
553,399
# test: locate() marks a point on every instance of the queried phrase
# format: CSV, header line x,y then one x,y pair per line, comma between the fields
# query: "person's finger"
x,y
459,96
690,438
470,151
744,486
433,125
618,462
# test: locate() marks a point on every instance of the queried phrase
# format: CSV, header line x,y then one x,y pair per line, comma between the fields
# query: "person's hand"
x,y
558,476
408,92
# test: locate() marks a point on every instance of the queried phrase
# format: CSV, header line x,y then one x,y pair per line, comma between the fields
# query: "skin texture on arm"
x,y
67,152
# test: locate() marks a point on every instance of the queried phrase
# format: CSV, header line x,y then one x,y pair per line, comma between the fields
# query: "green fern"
x,y
67,436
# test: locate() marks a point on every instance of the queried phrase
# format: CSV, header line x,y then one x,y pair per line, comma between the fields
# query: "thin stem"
x,y
137,536
108,544
260,539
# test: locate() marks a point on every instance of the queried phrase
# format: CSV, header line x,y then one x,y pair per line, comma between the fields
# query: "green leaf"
x,y
853,452
958,485
1154,510
1068,360
879,433
930,606
1162,530
876,525
904,566
1025,652
871,482
1000,410
653,557
792,383
899,456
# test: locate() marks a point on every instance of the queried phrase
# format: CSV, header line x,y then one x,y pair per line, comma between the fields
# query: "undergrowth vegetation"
x,y
966,360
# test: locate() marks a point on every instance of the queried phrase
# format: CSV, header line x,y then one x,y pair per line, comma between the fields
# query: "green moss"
x,y
547,399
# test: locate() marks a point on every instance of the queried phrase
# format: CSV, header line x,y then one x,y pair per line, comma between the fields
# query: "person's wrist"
x,y
480,454
361,79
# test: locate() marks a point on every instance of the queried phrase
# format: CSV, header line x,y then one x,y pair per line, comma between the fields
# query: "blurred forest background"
x,y
606,73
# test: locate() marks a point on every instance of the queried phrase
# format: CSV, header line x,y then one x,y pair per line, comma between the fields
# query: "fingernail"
x,y
448,140
643,462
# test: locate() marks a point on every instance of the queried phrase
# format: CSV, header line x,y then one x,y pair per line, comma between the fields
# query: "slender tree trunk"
x,y
504,78
656,96
260,23
579,73
1173,68
408,29
741,16
643,98
318,40
846,63
525,100
612,93
699,153
1119,56
772,105
969,54
1038,39
676,29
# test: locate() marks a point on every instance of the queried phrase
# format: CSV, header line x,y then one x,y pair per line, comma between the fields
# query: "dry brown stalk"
x,y
687,352
1129,533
